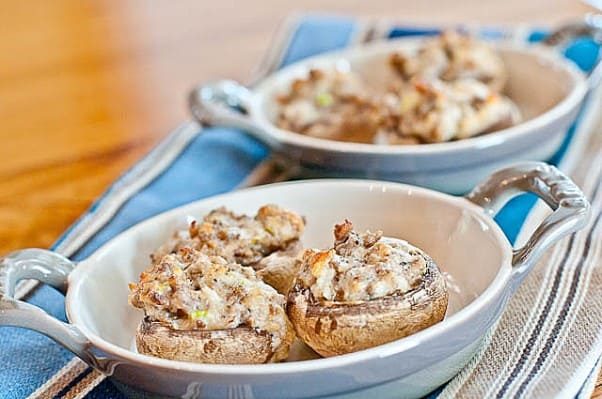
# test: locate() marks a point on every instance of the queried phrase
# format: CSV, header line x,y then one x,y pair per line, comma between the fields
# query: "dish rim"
x,y
499,284
256,103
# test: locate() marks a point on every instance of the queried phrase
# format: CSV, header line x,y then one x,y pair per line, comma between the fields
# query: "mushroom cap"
x,y
241,345
336,328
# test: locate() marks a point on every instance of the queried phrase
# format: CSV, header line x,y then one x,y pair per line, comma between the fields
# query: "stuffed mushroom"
x,y
452,56
332,105
201,308
436,111
269,242
365,291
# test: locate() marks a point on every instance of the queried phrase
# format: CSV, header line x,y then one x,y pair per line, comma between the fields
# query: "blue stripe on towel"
x,y
319,34
407,32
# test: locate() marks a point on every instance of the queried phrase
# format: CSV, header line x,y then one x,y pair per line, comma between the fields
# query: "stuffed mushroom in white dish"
x,y
546,88
365,291
435,112
202,308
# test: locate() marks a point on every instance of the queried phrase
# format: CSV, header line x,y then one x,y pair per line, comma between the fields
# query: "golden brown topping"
x,y
452,56
239,238
435,111
361,267
341,231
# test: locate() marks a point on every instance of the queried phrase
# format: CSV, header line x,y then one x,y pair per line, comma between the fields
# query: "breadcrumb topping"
x,y
238,238
190,290
452,56
361,267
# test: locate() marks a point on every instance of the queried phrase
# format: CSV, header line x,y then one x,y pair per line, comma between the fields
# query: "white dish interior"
x,y
462,240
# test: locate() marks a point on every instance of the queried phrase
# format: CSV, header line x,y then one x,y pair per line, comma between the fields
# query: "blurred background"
x,y
86,88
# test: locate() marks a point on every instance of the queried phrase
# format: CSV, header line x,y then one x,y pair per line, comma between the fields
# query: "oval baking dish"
x,y
547,88
458,233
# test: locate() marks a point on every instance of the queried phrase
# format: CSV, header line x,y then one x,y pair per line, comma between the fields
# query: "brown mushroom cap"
x,y
336,328
241,345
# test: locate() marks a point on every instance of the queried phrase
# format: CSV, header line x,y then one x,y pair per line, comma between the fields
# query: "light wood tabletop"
x,y
86,88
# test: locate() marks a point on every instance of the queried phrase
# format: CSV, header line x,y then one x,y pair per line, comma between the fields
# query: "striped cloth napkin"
x,y
548,342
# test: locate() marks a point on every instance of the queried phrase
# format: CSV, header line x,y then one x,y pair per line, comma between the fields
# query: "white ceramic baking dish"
x,y
459,233
547,88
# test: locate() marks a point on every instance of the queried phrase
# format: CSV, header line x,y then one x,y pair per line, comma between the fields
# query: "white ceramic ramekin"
x,y
547,88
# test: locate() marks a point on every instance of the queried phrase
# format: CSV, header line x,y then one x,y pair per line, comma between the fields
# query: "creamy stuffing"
x,y
189,290
361,267
332,105
434,111
452,56
238,238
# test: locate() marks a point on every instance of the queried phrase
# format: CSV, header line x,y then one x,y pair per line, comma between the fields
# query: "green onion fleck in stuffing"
x,y
324,99
199,314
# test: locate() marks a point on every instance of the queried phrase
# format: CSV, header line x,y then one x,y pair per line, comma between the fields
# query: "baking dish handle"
x,y
571,208
225,103
589,27
50,268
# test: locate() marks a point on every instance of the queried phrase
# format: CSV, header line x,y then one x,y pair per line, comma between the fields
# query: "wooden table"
x,y
86,88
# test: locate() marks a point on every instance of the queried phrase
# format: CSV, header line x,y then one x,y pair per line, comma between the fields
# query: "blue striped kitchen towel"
x,y
189,166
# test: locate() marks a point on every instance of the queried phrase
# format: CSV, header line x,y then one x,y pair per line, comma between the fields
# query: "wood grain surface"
x,y
86,88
